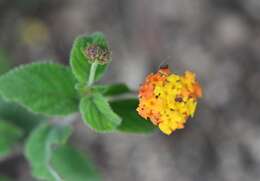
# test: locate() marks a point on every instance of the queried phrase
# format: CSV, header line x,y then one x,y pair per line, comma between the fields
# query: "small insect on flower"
x,y
96,53
168,100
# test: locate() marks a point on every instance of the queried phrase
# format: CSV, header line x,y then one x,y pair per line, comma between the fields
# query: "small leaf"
x,y
72,165
9,135
43,87
112,90
79,62
51,159
39,149
131,121
19,116
97,113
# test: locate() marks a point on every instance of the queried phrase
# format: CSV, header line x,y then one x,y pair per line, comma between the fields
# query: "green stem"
x,y
92,73
48,164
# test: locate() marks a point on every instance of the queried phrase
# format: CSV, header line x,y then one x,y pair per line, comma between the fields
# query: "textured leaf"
x,y
44,87
97,113
112,90
80,63
131,121
39,149
52,160
72,165
19,116
9,135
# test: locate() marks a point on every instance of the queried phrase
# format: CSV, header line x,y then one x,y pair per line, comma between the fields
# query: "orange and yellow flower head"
x,y
168,100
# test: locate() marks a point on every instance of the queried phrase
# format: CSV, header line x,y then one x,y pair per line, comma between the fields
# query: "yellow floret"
x,y
165,128
173,99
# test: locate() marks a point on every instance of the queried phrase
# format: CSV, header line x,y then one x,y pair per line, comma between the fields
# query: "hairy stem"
x,y
48,164
92,73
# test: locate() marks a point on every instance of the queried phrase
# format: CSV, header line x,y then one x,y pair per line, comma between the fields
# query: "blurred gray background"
x,y
217,39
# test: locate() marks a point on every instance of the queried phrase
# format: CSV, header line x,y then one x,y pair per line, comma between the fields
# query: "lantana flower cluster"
x,y
168,100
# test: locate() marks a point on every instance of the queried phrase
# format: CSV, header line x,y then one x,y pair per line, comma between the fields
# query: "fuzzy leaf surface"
x,y
97,113
41,87
19,116
72,165
40,147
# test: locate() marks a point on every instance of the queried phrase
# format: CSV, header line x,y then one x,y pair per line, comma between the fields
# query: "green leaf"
x,y
80,63
97,113
52,160
40,147
9,135
19,116
42,87
4,61
72,165
131,121
112,90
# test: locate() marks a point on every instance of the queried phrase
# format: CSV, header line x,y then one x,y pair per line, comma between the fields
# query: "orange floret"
x,y
168,100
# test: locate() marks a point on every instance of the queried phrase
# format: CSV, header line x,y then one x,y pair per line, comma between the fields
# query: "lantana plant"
x,y
53,90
